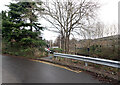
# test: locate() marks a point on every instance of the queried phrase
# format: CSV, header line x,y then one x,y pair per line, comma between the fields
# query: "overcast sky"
x,y
108,13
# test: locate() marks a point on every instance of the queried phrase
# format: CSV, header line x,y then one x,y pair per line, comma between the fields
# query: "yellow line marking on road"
x,y
57,66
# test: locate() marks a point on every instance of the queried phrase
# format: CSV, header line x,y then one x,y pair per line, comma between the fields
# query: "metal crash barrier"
x,y
106,62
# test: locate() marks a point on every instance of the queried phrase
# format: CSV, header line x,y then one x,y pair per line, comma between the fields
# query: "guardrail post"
x,y
54,56
86,64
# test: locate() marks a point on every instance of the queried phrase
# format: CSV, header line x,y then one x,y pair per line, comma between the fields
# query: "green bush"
x,y
5,52
10,53
16,53
56,50
75,61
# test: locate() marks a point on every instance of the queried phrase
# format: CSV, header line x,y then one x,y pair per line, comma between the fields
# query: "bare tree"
x,y
99,30
58,41
69,17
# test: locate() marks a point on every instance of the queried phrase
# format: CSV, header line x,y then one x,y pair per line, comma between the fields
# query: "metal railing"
x,y
106,62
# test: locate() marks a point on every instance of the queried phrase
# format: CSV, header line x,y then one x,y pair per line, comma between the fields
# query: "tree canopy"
x,y
20,24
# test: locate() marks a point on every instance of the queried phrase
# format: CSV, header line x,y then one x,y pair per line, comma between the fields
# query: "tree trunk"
x,y
62,43
67,43
31,26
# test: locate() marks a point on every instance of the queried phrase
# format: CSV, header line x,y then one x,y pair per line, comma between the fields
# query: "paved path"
x,y
17,70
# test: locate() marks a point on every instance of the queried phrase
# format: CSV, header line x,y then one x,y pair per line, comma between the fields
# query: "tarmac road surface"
x,y
18,70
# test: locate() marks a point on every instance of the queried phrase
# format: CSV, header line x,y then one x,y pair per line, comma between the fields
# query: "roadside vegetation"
x,y
21,30
59,50
100,52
